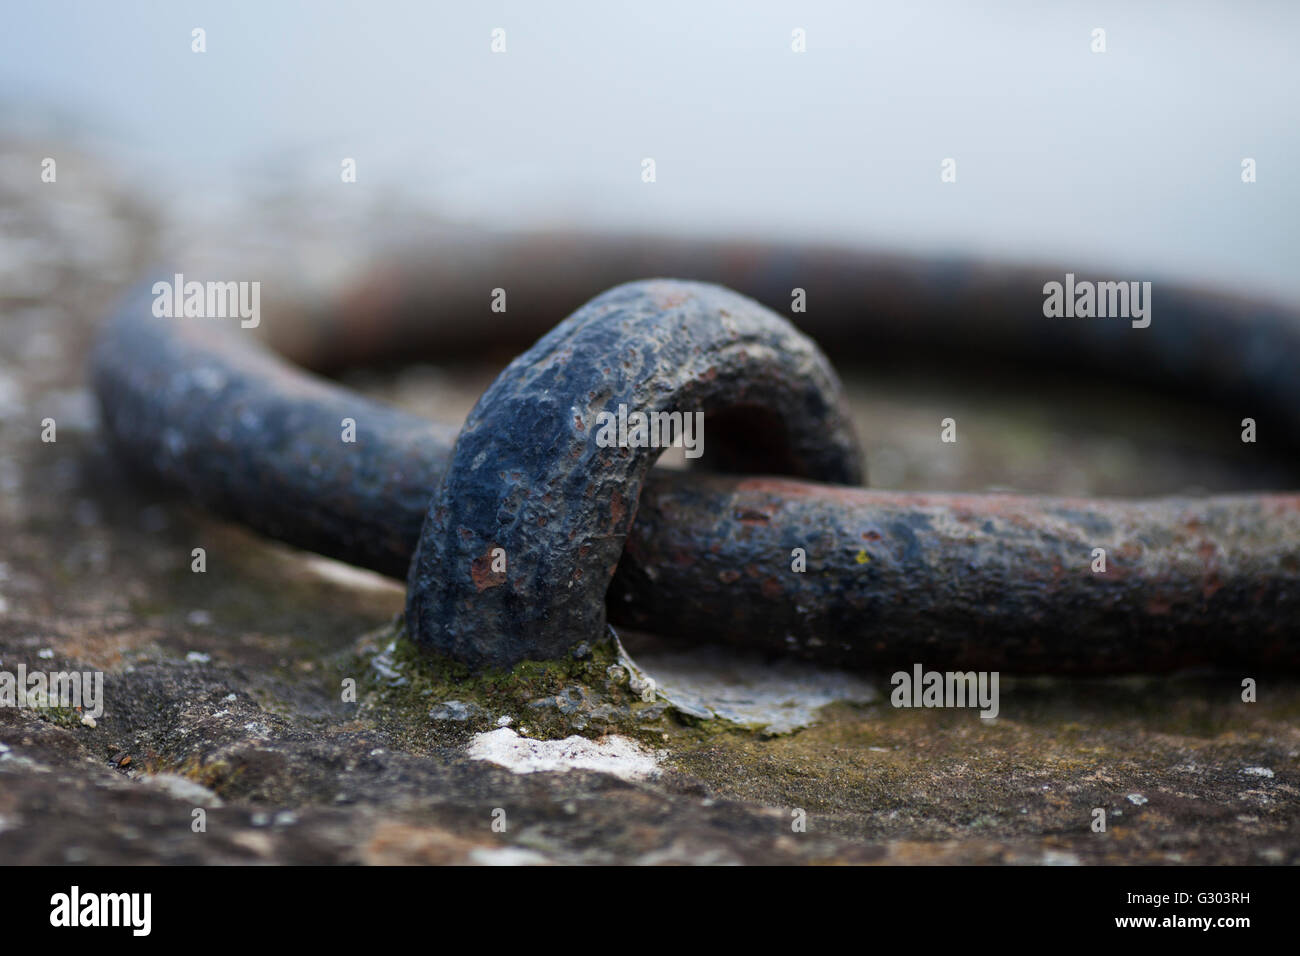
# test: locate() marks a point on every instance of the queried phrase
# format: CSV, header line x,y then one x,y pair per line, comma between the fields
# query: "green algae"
x,y
595,690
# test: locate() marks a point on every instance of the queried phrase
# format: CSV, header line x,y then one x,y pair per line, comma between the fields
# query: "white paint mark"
x,y
620,756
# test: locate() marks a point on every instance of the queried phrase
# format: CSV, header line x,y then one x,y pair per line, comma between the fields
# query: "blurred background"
x,y
1131,156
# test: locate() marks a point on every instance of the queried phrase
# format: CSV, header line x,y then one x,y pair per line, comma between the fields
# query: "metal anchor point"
x,y
973,581
530,489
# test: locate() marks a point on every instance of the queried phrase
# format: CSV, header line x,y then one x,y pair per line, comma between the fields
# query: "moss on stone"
x,y
594,691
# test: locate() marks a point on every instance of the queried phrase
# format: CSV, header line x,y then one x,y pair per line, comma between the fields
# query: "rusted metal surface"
x,y
992,581
203,410
529,520
936,312
996,581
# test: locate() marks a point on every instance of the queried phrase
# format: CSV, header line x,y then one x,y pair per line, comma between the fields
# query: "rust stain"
x,y
481,572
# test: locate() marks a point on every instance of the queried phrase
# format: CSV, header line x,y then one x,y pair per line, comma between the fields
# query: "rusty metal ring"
x,y
999,581
528,525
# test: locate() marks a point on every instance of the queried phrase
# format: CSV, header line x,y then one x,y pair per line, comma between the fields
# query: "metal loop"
x,y
851,576
527,527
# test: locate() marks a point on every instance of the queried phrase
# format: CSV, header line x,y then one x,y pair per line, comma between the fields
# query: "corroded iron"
x,y
993,581
973,580
199,407
932,311
529,520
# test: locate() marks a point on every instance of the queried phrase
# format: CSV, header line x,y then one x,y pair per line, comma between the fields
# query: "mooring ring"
x,y
526,530
839,574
